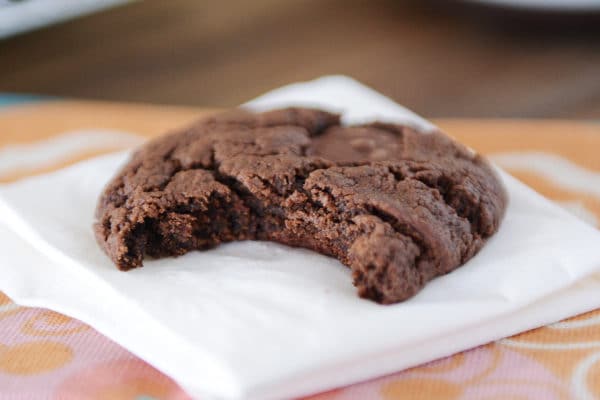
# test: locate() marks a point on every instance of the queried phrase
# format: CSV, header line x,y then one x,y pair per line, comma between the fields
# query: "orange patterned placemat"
x,y
47,355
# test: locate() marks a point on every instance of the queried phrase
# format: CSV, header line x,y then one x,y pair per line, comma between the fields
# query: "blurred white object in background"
x,y
18,16
547,5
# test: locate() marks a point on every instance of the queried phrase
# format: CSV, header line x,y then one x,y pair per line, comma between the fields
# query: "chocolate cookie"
x,y
397,206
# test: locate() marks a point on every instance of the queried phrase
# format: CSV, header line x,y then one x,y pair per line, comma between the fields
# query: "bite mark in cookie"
x,y
397,206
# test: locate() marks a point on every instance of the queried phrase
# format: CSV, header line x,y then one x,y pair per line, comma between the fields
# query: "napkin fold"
x,y
262,320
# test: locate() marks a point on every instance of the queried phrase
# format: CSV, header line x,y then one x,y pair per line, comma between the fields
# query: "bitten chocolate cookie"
x,y
397,206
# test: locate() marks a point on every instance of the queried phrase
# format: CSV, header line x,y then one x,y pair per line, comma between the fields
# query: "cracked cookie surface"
x,y
397,206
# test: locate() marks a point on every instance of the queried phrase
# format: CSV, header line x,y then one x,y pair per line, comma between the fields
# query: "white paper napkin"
x,y
261,320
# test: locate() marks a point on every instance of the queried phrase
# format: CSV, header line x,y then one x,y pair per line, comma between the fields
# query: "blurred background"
x,y
440,58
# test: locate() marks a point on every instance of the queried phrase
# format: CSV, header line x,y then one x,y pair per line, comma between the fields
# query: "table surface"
x,y
440,58
48,355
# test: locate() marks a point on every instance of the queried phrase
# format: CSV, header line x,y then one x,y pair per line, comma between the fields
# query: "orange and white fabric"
x,y
47,355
